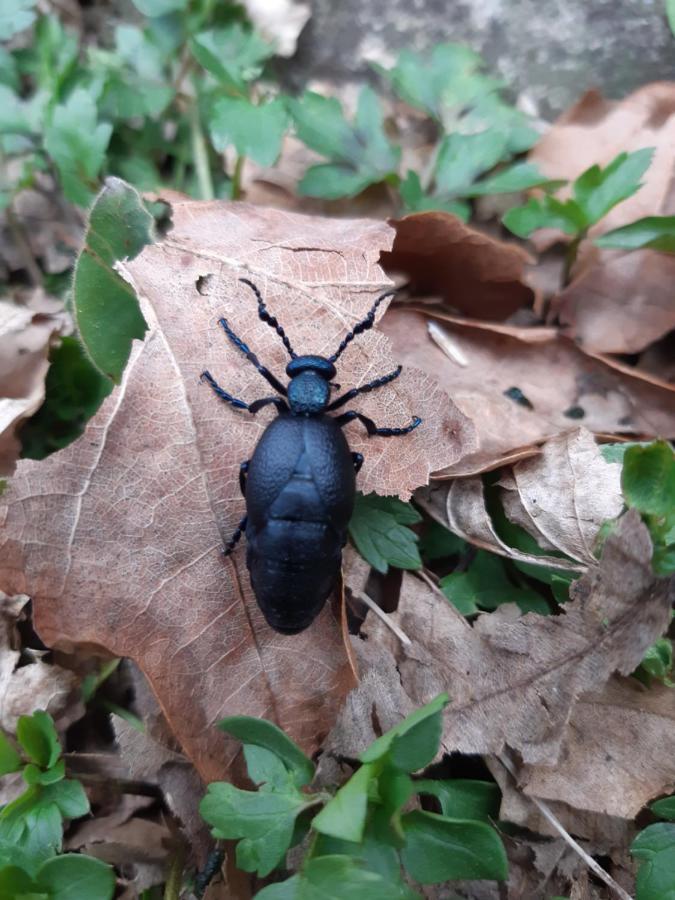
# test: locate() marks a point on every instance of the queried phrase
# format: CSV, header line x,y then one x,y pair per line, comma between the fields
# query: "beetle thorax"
x,y
308,394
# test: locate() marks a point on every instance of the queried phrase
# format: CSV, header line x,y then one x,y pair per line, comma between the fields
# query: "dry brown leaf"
x,y
565,495
24,348
118,538
472,272
514,679
616,755
618,302
555,377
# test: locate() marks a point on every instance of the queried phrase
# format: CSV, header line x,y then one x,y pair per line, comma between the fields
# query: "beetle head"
x,y
309,388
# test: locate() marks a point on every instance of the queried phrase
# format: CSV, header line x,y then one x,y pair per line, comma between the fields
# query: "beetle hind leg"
x,y
236,537
372,428
221,392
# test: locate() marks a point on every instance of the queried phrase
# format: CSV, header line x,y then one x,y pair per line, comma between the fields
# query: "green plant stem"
x,y
571,257
200,153
174,881
236,177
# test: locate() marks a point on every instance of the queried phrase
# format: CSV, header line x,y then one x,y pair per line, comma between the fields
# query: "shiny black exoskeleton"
x,y
300,482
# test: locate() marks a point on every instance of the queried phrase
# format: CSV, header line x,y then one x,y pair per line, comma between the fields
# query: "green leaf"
x,y
463,157
74,390
344,816
336,878
15,16
440,849
657,662
654,232
15,883
670,13
545,212
37,735
255,131
262,821
10,761
664,808
437,542
379,530
33,775
613,453
485,585
233,55
68,796
265,767
648,479
598,190
415,200
106,309
522,176
153,8
462,798
77,143
655,846
360,154
413,743
262,733
76,877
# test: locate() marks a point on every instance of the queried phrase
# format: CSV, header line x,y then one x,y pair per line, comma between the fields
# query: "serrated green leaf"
x,y
15,16
379,530
653,232
648,479
37,735
10,761
598,190
35,836
463,798
462,158
439,848
77,142
333,181
522,176
262,733
336,878
485,585
344,816
413,743
655,846
262,821
74,876
545,212
664,808
106,309
415,200
254,130
234,55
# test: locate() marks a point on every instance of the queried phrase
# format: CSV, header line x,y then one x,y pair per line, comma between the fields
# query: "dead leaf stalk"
x,y
403,638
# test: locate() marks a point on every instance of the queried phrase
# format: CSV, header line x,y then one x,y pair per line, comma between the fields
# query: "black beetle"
x,y
300,482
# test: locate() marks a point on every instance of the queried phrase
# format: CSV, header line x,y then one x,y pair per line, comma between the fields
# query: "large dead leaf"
x,y
559,386
473,273
118,538
514,680
618,302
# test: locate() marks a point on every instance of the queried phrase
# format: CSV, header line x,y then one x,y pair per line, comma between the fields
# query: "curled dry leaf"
x,y
119,537
24,349
523,385
473,273
618,302
279,21
514,679
564,496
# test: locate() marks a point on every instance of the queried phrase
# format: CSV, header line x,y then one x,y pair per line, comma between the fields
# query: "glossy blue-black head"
x,y
309,388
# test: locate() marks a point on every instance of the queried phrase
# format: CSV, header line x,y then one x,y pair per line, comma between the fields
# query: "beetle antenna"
x,y
362,326
266,316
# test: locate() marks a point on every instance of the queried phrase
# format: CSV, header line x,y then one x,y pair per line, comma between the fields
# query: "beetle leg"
x,y
365,388
372,428
234,540
277,401
357,459
363,325
251,357
243,472
222,393
266,316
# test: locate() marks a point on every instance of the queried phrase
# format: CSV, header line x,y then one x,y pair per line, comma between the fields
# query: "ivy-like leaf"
x,y
261,733
655,847
379,530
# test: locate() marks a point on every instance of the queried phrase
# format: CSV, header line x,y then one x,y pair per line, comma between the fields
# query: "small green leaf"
x,y
15,884
462,798
613,453
655,846
415,200
485,585
33,775
521,176
77,143
262,821
463,157
670,14
413,743
598,190
106,309
262,733
657,663
344,816
10,761
152,8
255,131
74,876
654,232
648,479
68,796
336,878
664,808
440,849
379,530
15,16
437,542
265,767
545,212
37,735
333,181
234,55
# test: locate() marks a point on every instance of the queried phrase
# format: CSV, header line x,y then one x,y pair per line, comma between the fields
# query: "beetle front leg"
x,y
372,428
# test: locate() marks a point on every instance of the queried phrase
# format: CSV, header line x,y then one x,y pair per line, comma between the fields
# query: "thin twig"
x,y
403,638
567,837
